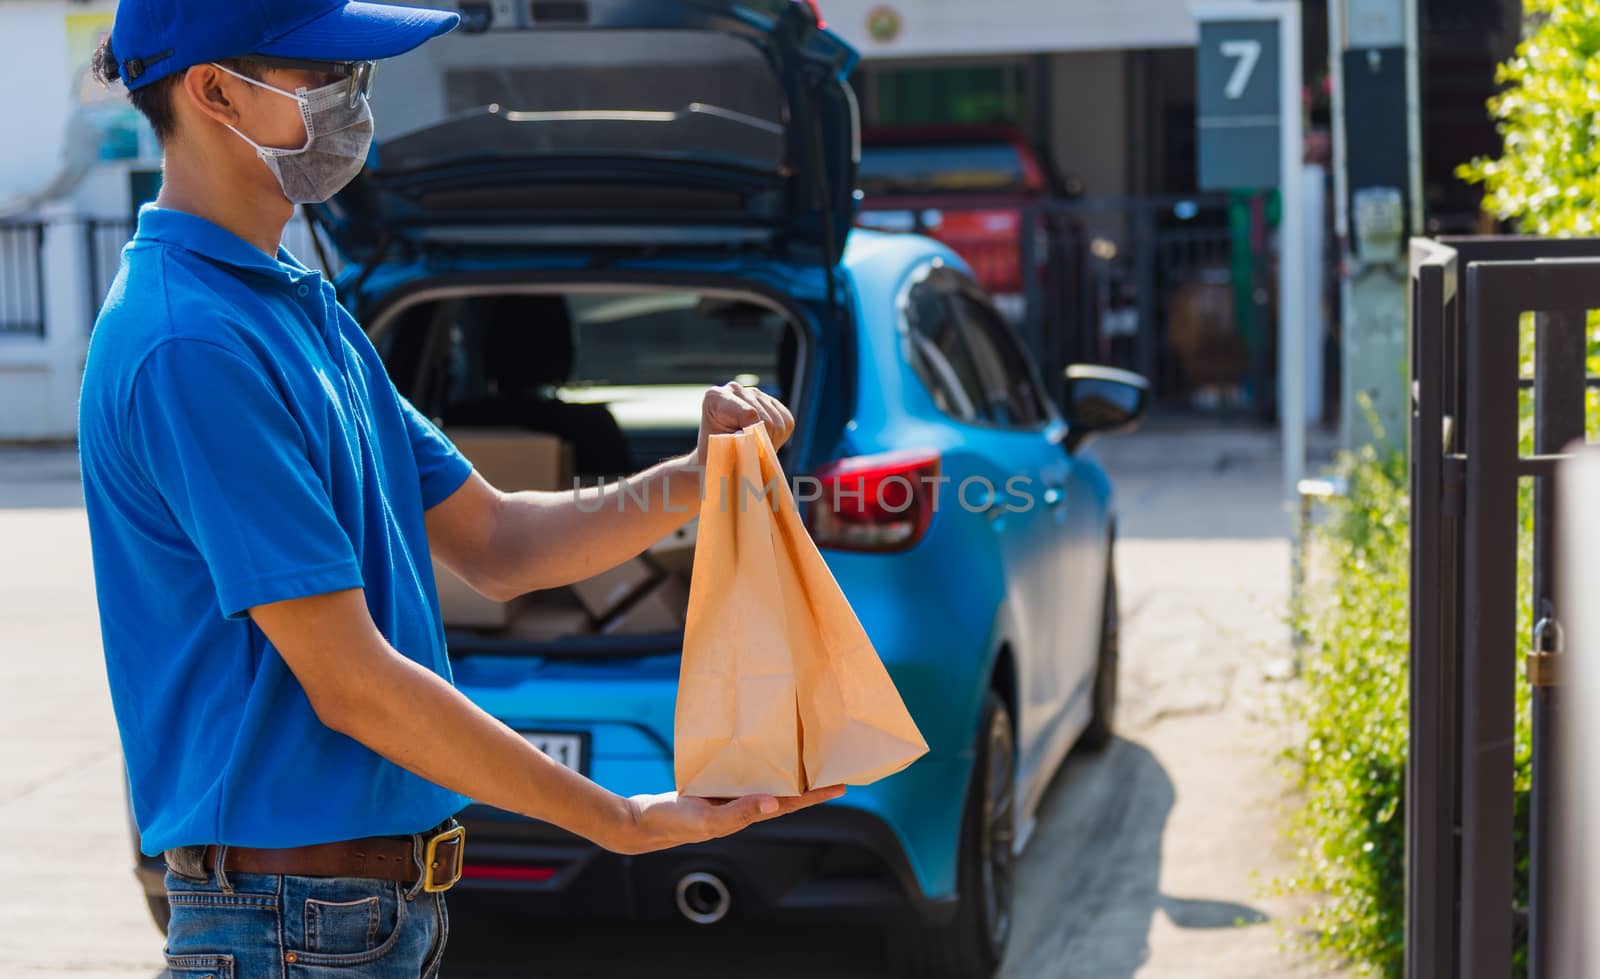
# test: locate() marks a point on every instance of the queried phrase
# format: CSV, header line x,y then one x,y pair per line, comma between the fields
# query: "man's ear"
x,y
213,92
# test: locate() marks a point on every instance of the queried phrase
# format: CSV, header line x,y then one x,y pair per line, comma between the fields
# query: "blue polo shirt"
x,y
242,444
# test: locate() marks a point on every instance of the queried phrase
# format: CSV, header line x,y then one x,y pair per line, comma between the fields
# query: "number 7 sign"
x,y
1239,66
1248,76
1249,54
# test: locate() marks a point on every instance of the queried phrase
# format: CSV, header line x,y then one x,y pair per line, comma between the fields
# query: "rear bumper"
x,y
807,867
886,850
810,866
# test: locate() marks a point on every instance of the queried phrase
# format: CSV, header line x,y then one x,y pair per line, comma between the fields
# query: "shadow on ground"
x,y
1091,877
482,949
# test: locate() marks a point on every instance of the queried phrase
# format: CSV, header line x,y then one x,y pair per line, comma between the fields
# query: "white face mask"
x,y
338,136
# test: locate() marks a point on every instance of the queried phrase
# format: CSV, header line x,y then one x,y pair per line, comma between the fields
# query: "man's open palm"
x,y
669,820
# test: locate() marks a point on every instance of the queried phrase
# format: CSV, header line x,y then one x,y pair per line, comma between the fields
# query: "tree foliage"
x,y
1548,177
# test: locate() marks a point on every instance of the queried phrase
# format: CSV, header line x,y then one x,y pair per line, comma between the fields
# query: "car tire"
x,y
160,910
1103,703
972,945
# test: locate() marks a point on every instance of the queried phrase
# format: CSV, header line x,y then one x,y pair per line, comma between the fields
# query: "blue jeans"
x,y
255,926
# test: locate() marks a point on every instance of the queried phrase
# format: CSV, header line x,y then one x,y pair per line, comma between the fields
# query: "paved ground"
x,y
1151,860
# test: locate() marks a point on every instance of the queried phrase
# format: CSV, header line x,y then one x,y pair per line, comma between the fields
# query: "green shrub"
x,y
1349,763
1350,711
1548,178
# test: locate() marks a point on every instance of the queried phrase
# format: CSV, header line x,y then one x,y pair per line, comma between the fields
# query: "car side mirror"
x,y
1102,400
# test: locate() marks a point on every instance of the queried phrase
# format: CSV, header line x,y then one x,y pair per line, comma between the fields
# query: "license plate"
x,y
566,749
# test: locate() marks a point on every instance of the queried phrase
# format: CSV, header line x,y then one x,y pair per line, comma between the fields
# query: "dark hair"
x,y
154,101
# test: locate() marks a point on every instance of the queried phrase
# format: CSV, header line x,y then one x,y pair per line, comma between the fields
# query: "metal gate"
x,y
1469,298
103,239
1104,280
22,279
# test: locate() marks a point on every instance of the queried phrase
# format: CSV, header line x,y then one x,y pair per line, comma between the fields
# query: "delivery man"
x,y
263,504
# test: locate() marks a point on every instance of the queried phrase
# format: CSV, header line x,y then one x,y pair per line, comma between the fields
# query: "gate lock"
x,y
1549,642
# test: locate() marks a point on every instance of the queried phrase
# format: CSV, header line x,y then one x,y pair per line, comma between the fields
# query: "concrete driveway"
x,y
1151,859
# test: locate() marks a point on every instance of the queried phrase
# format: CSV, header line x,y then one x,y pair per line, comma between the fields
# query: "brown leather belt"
x,y
377,857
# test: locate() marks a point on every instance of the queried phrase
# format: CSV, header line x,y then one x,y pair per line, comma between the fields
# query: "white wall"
x,y
40,375
1578,720
36,90
1089,118
943,27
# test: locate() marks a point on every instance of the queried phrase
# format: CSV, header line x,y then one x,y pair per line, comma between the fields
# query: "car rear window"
x,y
942,168
669,338
643,357
547,93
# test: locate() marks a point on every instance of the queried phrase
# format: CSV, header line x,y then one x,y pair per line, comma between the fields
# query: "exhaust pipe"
x,y
703,898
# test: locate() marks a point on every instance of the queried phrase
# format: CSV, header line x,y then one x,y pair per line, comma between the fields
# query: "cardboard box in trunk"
x,y
674,553
511,460
549,616
514,460
664,608
608,590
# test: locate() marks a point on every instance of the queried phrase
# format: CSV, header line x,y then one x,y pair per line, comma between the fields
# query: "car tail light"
x,y
537,874
875,503
816,12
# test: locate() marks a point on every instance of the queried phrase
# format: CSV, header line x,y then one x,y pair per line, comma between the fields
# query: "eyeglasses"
x,y
359,73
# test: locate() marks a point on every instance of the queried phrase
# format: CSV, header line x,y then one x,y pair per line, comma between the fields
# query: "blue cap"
x,y
156,38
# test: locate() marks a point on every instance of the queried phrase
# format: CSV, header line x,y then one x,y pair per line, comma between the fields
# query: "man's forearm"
x,y
507,544
546,540
361,687
424,725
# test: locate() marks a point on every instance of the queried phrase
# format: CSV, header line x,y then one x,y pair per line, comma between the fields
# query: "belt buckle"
x,y
430,863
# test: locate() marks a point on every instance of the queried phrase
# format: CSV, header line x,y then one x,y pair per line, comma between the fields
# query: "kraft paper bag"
x,y
780,690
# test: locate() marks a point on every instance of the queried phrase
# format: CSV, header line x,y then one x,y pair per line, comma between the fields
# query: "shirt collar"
x,y
195,234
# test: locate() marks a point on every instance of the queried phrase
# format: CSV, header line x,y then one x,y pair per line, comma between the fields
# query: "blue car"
x,y
576,218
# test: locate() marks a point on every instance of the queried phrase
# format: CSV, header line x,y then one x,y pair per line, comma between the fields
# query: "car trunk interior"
x,y
554,387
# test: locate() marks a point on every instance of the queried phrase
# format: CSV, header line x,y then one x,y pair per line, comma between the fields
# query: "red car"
x,y
966,186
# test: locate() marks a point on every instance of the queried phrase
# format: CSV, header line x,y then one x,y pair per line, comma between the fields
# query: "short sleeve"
x,y
440,465
216,440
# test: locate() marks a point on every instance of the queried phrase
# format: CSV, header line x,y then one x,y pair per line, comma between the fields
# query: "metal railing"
x,y
22,306
1469,297
103,241
105,237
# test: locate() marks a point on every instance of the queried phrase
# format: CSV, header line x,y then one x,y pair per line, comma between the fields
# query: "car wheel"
x,y
1104,702
973,943
160,910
